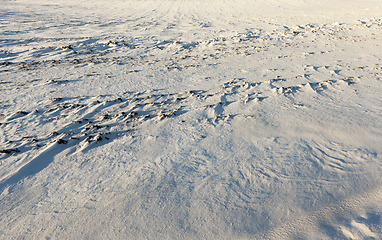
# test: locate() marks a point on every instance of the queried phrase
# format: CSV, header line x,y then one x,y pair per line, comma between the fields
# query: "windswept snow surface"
x,y
216,119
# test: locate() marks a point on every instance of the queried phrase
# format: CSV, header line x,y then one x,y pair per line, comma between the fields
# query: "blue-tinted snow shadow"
x,y
36,165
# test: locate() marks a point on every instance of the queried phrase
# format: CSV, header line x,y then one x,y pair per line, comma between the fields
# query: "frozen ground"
x,y
177,119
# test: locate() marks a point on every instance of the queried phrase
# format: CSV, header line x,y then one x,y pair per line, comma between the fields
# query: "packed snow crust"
x,y
216,119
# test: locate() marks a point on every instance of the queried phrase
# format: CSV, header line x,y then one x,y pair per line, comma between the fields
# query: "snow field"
x,y
190,119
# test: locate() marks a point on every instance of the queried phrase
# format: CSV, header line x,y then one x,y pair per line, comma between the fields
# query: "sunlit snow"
x,y
190,119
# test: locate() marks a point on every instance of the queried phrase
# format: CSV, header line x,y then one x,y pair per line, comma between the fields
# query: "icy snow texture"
x,y
190,119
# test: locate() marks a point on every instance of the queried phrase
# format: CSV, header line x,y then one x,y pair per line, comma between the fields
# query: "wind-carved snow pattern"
x,y
175,53
190,120
86,122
